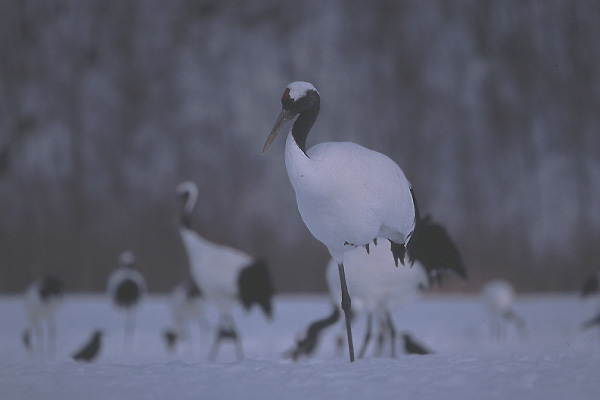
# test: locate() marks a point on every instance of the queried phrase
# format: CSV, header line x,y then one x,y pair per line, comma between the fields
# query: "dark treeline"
x,y
490,107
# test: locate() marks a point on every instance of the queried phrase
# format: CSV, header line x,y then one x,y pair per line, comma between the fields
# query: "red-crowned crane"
x,y
42,299
226,276
347,194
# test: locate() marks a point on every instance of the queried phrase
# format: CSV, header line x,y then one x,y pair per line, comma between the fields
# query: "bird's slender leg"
x,y
212,355
346,305
367,338
226,330
51,337
380,337
392,328
129,329
38,333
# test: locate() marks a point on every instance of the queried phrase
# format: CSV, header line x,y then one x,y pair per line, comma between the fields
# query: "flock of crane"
x,y
351,199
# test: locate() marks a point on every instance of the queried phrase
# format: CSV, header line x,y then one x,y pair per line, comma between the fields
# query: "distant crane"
x,y
499,295
42,299
347,194
126,289
226,276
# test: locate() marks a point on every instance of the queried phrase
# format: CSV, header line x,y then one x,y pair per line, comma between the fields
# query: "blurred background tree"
x,y
491,109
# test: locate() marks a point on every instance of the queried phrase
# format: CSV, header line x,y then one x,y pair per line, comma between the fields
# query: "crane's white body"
x,y
348,194
214,268
41,312
186,309
499,296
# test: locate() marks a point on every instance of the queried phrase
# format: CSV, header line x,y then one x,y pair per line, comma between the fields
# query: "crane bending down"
x,y
226,276
347,194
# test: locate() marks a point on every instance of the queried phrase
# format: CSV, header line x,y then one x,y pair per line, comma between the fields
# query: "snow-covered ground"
x,y
556,360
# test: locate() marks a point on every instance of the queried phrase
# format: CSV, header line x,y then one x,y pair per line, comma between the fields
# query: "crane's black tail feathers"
x,y
308,344
430,245
591,322
399,250
256,287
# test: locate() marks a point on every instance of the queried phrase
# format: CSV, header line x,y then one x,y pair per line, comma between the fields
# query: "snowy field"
x,y
556,360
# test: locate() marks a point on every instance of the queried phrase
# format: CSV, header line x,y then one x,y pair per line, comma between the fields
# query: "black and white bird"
x,y
347,194
186,303
42,299
499,296
126,288
91,349
378,288
225,275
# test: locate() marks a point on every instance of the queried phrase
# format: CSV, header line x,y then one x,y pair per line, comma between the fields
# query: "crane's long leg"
x,y
129,330
226,330
381,336
346,305
367,339
392,328
51,337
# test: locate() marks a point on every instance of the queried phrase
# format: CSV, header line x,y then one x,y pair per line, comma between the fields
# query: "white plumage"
x,y
41,300
186,303
499,296
215,268
346,193
226,276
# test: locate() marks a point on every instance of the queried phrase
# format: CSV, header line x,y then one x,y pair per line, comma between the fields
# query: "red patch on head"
x,y
286,95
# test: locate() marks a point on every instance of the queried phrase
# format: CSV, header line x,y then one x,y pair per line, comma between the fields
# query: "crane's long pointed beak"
x,y
284,117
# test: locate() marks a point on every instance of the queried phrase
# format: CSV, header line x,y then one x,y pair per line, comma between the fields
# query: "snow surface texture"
x,y
557,360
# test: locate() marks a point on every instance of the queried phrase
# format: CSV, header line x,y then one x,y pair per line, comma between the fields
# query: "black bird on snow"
x,y
411,346
89,351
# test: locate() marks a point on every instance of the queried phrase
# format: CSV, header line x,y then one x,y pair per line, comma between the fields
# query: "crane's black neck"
x,y
188,207
306,118
186,219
